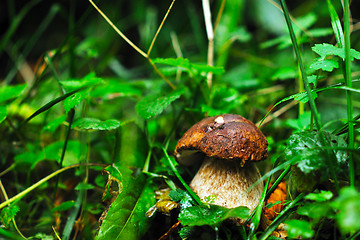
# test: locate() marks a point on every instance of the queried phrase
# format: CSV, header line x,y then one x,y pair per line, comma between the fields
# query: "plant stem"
x,y
35,185
330,156
349,93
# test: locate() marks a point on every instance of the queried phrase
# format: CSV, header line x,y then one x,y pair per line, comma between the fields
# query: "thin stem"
x,y
159,28
349,93
218,17
13,219
45,179
118,31
330,156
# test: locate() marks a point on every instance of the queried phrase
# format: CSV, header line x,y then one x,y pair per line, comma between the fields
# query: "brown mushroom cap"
x,y
225,136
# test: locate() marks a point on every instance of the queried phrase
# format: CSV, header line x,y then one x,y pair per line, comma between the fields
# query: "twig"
x,y
173,227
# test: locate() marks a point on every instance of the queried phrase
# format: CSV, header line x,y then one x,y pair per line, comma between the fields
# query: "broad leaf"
x,y
96,124
126,216
154,105
324,64
10,92
306,146
211,215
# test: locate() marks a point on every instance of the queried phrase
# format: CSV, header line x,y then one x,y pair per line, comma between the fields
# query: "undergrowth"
x,y
95,95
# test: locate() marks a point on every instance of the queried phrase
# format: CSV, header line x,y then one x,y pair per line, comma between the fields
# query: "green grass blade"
x,y
349,93
177,174
336,25
281,217
51,104
16,22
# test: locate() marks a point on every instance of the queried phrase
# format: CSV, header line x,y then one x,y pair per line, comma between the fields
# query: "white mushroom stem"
x,y
228,182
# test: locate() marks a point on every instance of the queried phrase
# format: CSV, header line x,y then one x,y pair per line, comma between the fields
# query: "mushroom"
x,y
229,145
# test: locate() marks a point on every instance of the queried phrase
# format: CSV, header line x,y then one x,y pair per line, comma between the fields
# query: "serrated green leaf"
x,y
126,216
325,49
298,228
324,64
96,124
3,113
9,92
320,197
153,105
8,213
306,146
64,206
213,215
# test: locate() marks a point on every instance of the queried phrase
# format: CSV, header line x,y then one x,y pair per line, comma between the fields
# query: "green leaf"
x,y
84,186
114,88
304,97
348,206
297,228
89,80
182,197
306,146
326,49
54,124
64,206
74,152
154,105
316,211
8,213
9,92
96,124
74,100
191,68
126,216
320,197
211,215
3,113
324,64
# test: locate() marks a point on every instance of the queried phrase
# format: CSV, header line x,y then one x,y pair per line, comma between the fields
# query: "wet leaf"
x,y
126,216
306,146
96,124
211,215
